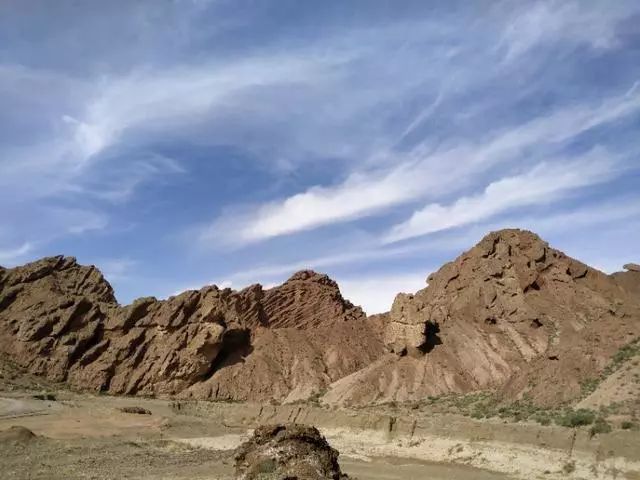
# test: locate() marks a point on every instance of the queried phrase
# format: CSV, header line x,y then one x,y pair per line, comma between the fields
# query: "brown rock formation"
x,y
287,451
629,280
283,308
60,320
511,313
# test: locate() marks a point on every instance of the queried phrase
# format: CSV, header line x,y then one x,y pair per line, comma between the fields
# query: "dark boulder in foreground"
x,y
287,452
136,410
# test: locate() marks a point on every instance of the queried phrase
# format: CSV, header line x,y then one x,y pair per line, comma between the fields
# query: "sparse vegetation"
x,y
626,353
315,398
599,426
569,467
589,386
576,418
482,405
627,425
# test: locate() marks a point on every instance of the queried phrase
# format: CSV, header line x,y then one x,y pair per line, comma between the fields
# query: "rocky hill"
x,y
60,320
511,315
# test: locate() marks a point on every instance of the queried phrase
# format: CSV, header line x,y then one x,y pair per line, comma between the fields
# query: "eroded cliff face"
x,y
51,312
61,320
510,314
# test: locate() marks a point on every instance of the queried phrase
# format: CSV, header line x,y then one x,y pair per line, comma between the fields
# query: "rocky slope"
x,y
511,315
60,320
629,280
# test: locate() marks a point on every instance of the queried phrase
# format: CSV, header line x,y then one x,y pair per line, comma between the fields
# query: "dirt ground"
x,y
82,436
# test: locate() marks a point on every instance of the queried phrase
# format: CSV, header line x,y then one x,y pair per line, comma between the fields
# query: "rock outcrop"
x,y
324,301
511,314
630,279
60,320
287,451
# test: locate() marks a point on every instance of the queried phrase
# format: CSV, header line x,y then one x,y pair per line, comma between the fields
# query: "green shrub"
x,y
477,414
626,425
266,466
541,418
589,386
599,426
576,418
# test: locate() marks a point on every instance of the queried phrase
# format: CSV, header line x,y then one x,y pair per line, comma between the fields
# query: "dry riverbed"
x,y
90,437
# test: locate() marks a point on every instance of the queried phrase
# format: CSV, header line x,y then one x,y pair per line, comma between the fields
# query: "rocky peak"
x,y
491,283
307,299
62,274
311,276
629,280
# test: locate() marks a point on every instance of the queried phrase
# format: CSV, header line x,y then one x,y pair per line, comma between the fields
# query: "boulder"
x,y
290,451
136,410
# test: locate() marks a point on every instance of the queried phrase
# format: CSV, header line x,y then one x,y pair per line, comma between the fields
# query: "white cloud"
x,y
359,195
618,211
192,286
147,99
415,176
12,255
547,22
543,184
375,293
115,269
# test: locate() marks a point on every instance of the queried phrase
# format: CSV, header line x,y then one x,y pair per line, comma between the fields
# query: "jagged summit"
x,y
61,319
325,302
511,313
310,275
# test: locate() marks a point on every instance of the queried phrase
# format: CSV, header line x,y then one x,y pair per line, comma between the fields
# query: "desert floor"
x,y
89,437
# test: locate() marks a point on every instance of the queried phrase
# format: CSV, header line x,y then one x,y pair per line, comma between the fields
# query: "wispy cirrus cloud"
x,y
305,131
11,256
545,23
545,183
416,175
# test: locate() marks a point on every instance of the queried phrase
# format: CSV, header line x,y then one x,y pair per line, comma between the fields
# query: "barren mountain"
x,y
61,320
511,315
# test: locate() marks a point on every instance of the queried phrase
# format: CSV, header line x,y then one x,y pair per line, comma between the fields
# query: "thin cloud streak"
x,y
12,255
545,183
364,193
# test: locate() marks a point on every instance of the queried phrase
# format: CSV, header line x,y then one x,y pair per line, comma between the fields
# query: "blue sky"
x,y
180,143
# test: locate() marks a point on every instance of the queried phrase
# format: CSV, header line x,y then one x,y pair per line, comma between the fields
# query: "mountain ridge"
x,y
511,315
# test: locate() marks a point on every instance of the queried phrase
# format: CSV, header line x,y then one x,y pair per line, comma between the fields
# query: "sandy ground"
x,y
88,437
